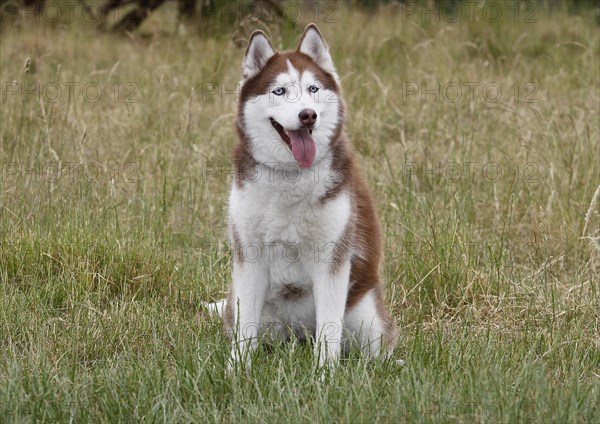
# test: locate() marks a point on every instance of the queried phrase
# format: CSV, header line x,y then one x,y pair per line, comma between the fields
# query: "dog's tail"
x,y
216,307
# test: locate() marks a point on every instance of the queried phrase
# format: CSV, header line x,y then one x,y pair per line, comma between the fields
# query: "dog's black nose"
x,y
308,117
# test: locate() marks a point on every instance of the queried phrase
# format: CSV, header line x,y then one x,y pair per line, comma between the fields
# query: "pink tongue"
x,y
303,147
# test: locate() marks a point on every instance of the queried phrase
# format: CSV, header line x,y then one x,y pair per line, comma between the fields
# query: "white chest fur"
x,y
280,219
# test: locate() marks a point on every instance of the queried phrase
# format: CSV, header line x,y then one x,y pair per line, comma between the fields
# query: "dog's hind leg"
x,y
369,327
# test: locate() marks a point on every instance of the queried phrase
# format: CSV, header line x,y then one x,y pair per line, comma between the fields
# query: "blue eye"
x,y
313,88
279,91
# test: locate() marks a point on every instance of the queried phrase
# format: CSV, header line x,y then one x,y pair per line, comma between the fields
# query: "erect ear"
x,y
313,45
259,51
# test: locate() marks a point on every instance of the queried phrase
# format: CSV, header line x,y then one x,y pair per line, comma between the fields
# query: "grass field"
x,y
112,221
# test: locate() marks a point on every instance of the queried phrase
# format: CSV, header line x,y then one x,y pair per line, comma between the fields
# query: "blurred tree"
x,y
187,10
138,10
213,15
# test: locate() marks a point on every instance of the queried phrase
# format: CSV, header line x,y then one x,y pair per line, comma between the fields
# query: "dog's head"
x,y
290,108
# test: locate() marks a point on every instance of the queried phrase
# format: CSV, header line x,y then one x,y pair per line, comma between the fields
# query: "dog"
x,y
306,240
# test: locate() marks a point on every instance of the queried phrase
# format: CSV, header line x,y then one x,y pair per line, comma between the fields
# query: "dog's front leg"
x,y
250,283
330,290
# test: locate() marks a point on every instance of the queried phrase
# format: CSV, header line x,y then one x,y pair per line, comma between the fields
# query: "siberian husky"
x,y
306,240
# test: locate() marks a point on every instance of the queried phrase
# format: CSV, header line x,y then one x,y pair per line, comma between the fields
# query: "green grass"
x,y
493,279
